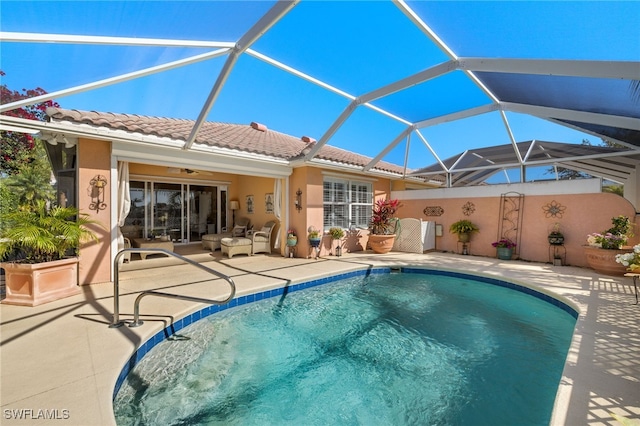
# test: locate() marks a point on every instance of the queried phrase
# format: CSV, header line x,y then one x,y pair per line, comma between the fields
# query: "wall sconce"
x,y
234,205
96,192
298,200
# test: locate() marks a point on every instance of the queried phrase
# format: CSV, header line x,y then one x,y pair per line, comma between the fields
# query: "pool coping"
x,y
591,378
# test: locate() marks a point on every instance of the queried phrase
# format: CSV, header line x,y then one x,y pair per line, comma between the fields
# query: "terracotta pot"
x,y
32,284
604,260
381,243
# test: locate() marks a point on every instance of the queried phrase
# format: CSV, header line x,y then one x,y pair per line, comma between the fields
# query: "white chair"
x,y
261,240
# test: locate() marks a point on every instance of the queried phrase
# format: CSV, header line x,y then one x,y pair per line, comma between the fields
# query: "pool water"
x,y
391,349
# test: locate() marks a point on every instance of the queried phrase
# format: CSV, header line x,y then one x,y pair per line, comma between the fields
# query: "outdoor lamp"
x,y
298,200
234,205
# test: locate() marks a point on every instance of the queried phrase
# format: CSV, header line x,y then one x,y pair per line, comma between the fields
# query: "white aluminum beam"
x,y
112,41
389,147
511,137
269,19
346,113
424,28
457,115
432,151
112,80
574,68
418,78
580,116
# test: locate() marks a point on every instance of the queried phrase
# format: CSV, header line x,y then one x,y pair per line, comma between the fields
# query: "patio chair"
x,y
261,240
212,241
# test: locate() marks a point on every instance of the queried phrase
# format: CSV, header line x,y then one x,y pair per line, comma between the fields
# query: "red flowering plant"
x,y
17,147
382,220
504,243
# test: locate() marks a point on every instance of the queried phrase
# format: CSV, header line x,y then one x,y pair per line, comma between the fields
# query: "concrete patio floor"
x,y
63,358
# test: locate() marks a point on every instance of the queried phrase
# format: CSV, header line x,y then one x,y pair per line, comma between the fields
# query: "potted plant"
x,y
292,238
463,228
314,237
603,247
504,248
38,249
336,234
555,237
383,225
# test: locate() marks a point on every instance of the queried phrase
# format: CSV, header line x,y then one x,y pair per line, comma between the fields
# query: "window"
x,y
346,203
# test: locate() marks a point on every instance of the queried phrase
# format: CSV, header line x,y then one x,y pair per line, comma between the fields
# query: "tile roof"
x,y
221,135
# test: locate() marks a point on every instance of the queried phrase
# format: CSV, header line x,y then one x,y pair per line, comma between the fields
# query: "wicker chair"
x,y
212,241
261,240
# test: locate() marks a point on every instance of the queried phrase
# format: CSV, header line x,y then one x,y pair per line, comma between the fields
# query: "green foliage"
x,y
463,226
36,234
336,233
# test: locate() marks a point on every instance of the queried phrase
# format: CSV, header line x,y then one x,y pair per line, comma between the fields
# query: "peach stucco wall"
x,y
94,158
310,181
582,214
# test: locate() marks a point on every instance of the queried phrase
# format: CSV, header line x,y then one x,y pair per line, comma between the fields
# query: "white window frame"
x,y
349,202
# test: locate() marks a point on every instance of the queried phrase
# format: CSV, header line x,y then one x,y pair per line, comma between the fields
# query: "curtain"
x,y
277,208
124,199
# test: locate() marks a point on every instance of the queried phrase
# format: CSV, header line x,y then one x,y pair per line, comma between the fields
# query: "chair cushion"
x,y
233,242
266,229
239,231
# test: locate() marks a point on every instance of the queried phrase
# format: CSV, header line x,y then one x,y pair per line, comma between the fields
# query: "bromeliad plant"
x,y
383,220
37,234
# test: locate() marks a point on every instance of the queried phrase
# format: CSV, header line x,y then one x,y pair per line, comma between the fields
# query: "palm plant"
x,y
36,234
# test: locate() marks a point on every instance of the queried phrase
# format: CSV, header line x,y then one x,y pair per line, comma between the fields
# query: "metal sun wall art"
x,y
433,211
554,209
468,208
96,192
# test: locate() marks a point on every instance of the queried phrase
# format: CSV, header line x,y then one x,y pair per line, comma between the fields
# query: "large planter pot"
x,y
292,241
315,242
464,237
381,243
604,260
31,284
504,253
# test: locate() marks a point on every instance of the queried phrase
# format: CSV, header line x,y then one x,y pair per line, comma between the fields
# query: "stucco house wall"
x,y
94,159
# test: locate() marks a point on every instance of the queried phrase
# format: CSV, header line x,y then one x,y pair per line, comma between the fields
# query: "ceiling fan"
x,y
193,172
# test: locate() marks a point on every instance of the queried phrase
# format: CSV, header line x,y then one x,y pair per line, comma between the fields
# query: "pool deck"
x,y
63,358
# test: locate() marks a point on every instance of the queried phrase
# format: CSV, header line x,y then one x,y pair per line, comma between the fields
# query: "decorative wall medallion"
x,y
468,208
433,211
554,209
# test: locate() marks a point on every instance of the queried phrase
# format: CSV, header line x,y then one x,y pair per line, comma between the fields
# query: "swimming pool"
x,y
411,348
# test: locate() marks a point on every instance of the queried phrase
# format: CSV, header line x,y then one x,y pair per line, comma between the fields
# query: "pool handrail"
x,y
116,322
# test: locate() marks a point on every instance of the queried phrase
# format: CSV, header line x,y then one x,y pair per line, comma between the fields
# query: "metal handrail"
x,y
136,321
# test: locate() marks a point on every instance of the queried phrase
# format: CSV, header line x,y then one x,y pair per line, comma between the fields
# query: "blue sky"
x,y
355,46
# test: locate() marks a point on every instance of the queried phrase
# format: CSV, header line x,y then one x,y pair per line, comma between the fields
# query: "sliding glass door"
x,y
182,212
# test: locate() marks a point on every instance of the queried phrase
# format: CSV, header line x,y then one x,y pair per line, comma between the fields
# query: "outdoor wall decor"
x,y
250,204
268,203
468,208
433,211
96,192
554,209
